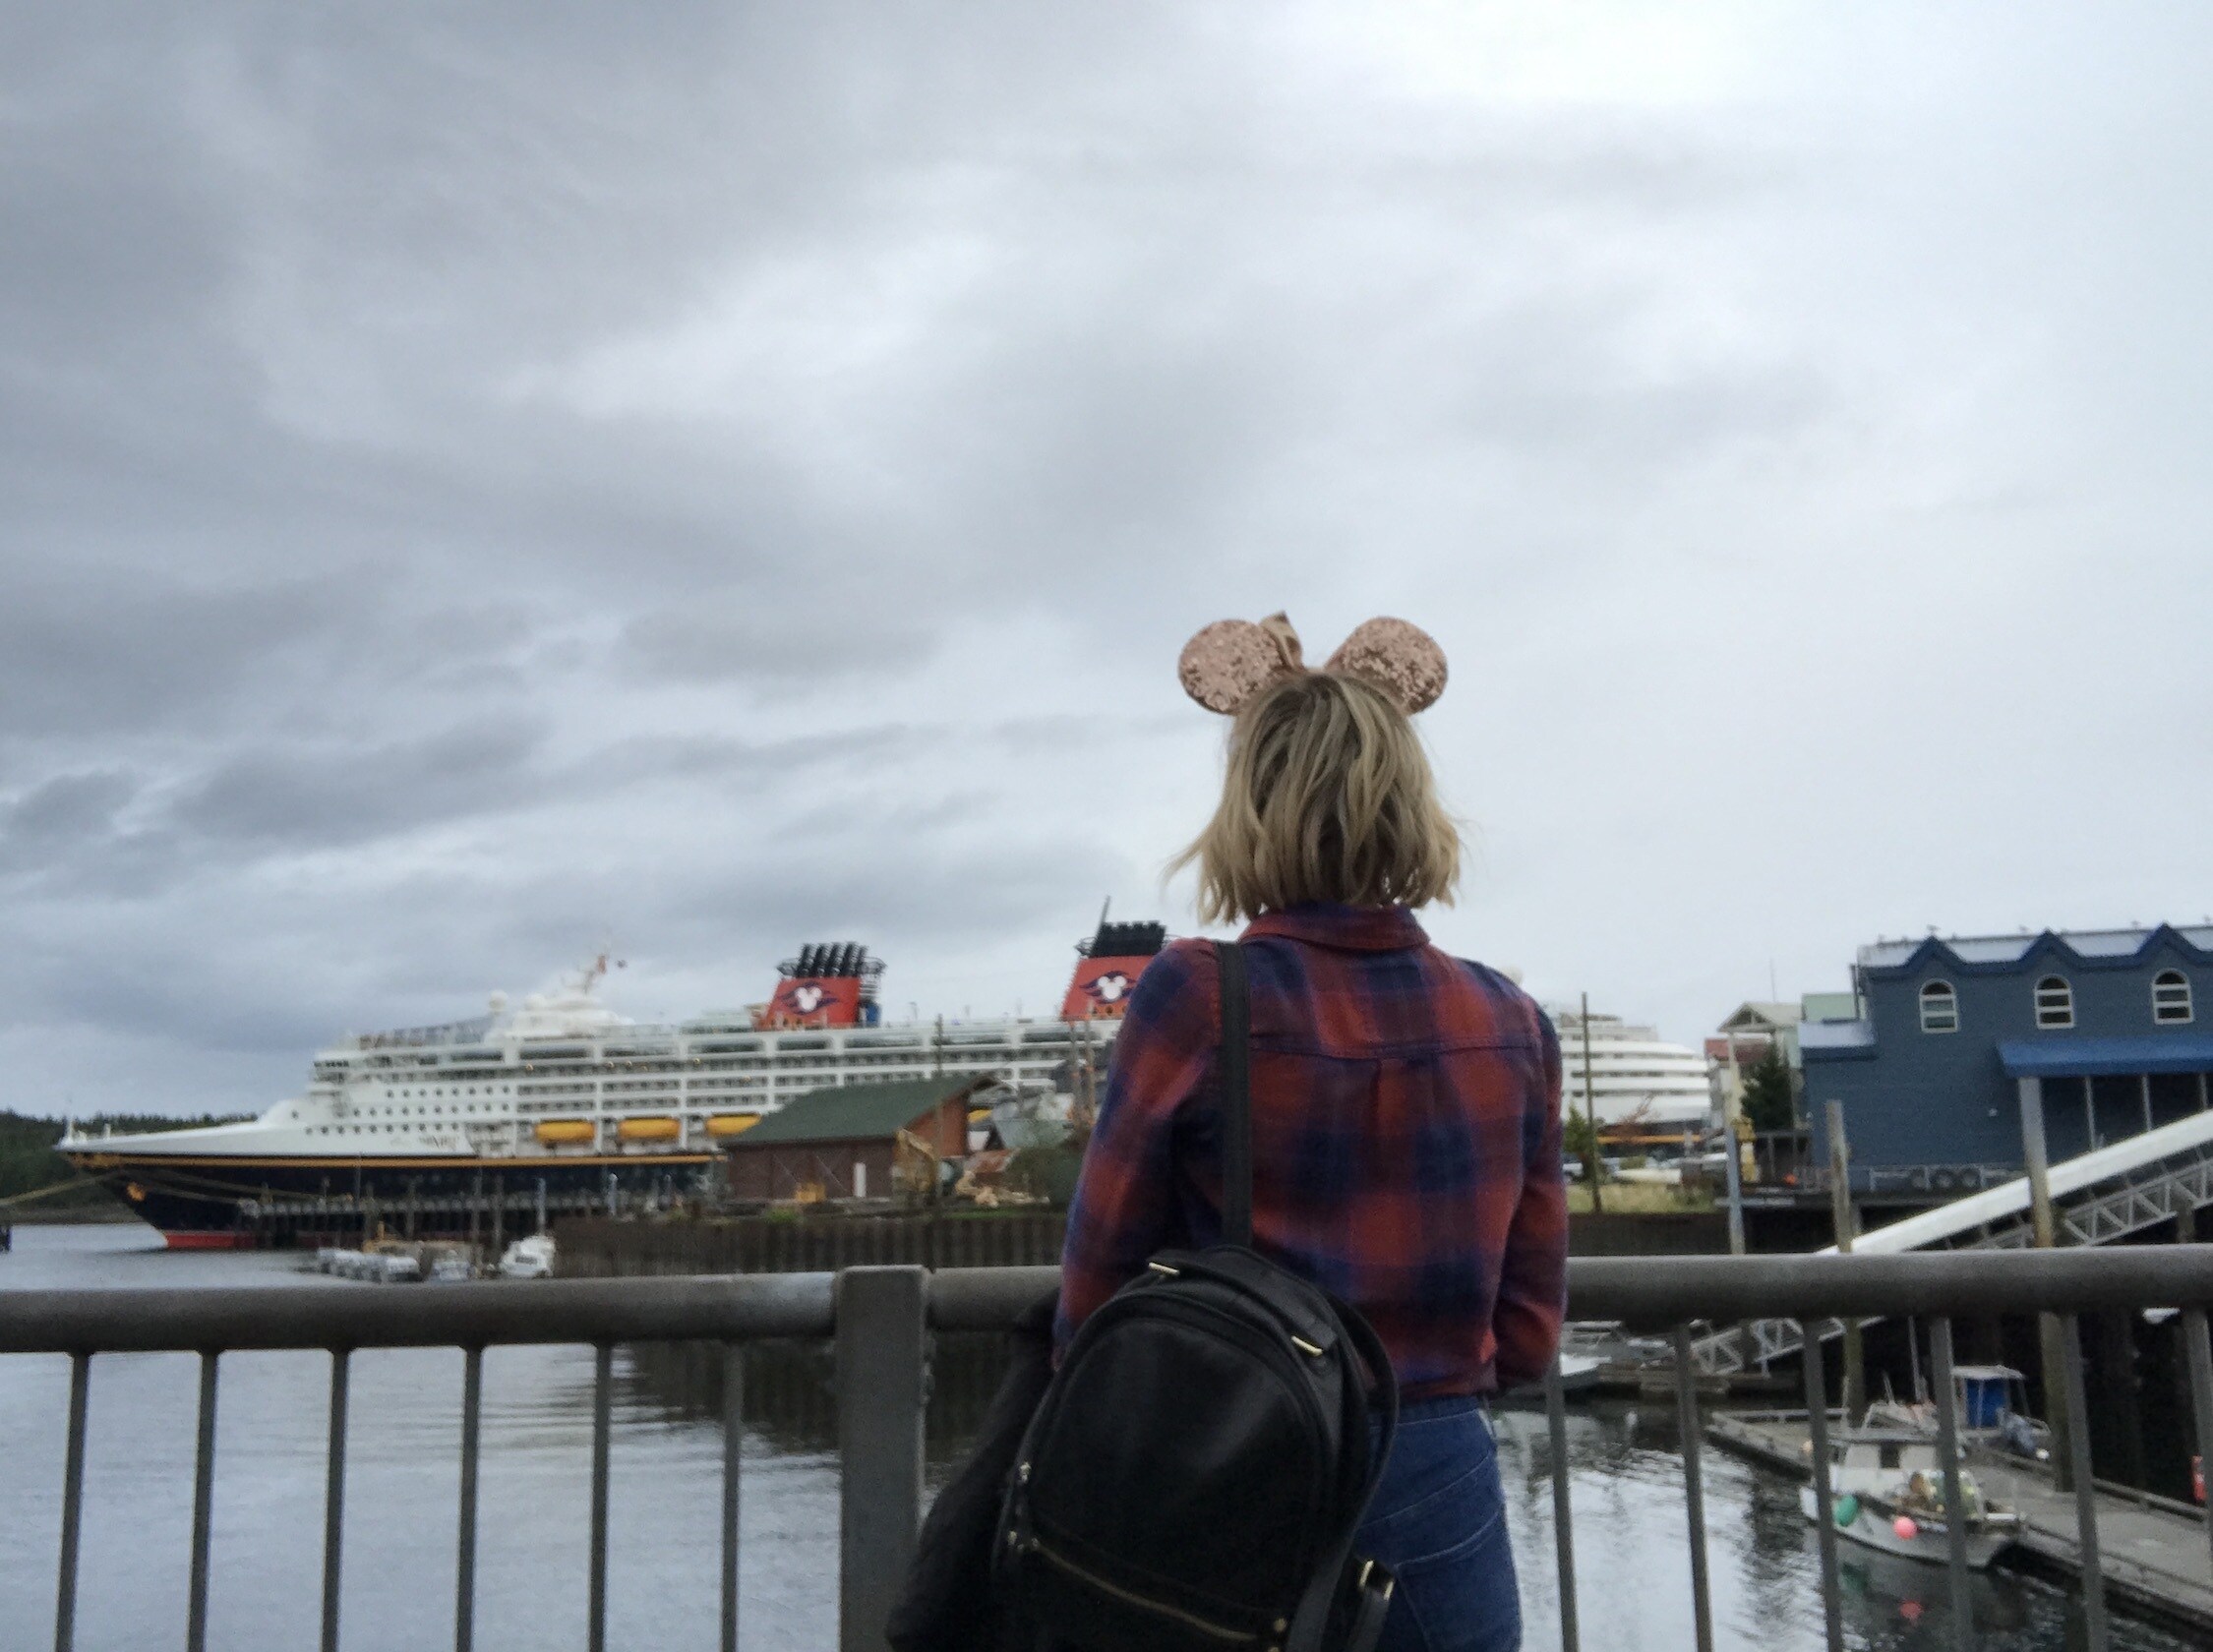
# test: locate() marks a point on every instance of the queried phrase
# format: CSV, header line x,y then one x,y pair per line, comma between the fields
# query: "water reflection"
x,y
791,1391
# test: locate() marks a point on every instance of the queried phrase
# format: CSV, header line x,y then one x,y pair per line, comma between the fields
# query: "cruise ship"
x,y
1645,1090
559,1104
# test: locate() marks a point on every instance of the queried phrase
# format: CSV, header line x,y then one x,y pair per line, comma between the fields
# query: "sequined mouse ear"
x,y
1401,659
1232,660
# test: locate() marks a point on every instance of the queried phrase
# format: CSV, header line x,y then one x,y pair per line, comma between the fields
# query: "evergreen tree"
x,y
1768,1100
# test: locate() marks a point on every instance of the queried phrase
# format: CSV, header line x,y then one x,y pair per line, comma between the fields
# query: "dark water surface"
x,y
402,1484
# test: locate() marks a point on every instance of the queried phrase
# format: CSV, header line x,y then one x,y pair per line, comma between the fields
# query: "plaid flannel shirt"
x,y
1405,1115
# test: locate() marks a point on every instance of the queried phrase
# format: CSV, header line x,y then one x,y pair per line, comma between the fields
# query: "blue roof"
x,y
2095,949
2066,1057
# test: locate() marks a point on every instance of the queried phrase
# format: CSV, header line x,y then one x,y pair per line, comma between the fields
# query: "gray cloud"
x,y
731,637
474,482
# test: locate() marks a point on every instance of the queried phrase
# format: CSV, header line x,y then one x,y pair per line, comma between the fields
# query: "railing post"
x,y
72,1499
1563,1511
1694,1484
732,1451
464,1543
2201,1355
1955,1500
603,1389
880,1368
203,1508
1825,1497
2085,1488
334,1498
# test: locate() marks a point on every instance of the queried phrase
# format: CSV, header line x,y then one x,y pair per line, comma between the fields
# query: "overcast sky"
x,y
481,482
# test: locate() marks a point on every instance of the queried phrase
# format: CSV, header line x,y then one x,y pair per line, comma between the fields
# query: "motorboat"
x,y
529,1258
1886,1487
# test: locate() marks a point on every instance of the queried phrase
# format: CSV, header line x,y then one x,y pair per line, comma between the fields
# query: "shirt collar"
x,y
1349,928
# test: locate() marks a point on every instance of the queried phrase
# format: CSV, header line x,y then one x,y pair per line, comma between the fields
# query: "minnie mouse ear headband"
x,y
1232,660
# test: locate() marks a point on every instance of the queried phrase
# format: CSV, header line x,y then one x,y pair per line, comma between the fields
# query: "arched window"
x,y
2171,997
2054,1002
1939,1007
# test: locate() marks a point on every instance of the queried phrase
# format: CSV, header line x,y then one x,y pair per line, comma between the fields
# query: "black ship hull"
x,y
219,1202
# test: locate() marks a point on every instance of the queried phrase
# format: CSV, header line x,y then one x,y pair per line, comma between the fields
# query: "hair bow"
x,y
1232,660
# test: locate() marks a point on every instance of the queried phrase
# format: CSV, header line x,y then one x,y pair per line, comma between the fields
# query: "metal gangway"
x,y
2097,1197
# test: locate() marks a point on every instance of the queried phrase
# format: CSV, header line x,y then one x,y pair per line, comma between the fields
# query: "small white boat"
x,y
530,1257
1887,1492
383,1267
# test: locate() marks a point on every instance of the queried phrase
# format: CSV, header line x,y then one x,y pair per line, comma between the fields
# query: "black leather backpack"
x,y
1196,1471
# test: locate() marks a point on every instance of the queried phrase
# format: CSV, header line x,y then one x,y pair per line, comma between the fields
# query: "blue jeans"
x,y
1438,1522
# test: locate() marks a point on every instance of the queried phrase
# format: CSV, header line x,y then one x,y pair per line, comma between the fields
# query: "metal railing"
x,y
880,1320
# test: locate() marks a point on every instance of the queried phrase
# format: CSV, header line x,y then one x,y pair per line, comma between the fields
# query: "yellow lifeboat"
x,y
555,1133
650,1130
732,1124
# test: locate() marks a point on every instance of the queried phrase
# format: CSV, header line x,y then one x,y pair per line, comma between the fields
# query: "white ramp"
x,y
2097,1197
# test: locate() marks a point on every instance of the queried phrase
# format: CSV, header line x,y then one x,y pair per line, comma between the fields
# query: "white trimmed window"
x,y
2054,1002
2171,997
1939,1007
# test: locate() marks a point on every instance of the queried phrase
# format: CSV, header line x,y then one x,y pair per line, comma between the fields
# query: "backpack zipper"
x,y
1205,1626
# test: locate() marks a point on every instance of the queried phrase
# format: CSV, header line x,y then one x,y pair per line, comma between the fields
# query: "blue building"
x,y
2117,1024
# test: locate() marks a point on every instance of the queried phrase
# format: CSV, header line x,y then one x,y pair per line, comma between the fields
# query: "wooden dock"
x,y
2155,1554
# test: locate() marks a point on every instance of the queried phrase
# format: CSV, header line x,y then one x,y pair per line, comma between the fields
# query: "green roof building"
x,y
849,1141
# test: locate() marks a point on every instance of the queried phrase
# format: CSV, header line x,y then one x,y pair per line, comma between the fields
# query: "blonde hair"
x,y
1327,796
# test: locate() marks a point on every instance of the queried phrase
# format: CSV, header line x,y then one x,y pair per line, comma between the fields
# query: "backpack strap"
x,y
1236,1095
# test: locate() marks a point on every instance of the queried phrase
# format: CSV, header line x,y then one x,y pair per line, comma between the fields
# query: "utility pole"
x,y
1593,1169
2051,1331
1840,1213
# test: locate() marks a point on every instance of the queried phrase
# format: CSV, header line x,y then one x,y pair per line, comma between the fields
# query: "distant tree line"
x,y
28,1163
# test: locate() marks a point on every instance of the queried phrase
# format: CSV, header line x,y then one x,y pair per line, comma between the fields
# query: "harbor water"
x,y
402,1477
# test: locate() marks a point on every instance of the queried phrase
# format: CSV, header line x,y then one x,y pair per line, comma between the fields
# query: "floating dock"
x,y
2155,1554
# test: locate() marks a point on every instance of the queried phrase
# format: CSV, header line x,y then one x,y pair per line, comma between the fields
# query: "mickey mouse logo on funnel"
x,y
1107,968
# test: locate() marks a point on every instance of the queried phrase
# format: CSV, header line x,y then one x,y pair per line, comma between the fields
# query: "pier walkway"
x,y
2156,1555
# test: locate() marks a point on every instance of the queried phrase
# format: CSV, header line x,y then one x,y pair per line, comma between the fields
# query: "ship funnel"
x,y
1108,965
830,983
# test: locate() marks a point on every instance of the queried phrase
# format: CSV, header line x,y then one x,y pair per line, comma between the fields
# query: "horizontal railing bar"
x,y
1644,1291
985,1298
1662,1291
717,1308
1668,1290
